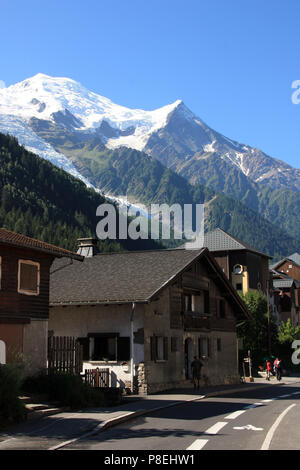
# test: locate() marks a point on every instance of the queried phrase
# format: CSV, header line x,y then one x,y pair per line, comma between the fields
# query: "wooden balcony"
x,y
223,324
196,321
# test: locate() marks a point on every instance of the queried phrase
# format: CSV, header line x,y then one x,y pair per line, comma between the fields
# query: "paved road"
x,y
244,421
262,418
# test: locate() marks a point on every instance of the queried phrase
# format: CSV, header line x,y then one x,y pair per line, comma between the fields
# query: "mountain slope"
x,y
44,202
172,134
62,121
127,172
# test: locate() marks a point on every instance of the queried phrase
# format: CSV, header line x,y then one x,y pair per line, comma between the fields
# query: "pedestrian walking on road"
x,y
278,369
196,366
274,365
269,368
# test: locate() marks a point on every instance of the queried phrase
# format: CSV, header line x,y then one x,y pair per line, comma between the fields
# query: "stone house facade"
x,y
145,315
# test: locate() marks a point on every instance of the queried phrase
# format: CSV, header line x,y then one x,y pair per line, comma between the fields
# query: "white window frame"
x,y
32,263
2,352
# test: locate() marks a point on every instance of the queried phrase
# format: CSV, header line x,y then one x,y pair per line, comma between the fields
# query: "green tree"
x,y
254,332
287,333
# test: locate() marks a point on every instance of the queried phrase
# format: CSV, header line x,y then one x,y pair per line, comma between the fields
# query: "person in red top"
x,y
269,368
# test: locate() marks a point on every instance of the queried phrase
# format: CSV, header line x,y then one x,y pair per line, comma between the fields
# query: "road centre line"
x,y
269,437
216,427
235,414
198,444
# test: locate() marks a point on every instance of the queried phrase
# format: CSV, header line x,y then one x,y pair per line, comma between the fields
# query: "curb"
x,y
120,419
135,414
38,414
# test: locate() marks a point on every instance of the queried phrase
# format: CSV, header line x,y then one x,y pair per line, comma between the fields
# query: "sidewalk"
x,y
84,423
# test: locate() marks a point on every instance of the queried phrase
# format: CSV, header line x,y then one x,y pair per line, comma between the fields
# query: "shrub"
x,y
67,389
11,407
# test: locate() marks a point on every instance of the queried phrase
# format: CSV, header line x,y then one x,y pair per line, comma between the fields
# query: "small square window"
x,y
28,277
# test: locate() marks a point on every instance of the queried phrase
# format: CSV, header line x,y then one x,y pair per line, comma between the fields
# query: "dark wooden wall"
x,y
294,272
16,305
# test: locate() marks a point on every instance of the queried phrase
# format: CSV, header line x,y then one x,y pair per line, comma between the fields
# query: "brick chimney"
x,y
87,247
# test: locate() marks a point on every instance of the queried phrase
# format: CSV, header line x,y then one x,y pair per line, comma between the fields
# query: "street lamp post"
x,y
269,321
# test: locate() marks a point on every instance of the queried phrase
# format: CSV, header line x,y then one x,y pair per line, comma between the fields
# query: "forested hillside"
x,y
42,201
129,172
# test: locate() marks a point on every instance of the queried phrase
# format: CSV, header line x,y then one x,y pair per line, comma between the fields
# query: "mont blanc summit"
x,y
47,113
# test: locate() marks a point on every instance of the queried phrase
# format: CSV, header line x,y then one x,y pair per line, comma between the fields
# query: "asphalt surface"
x,y
240,421
247,417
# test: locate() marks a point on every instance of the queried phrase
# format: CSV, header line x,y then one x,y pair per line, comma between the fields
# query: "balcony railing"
x,y
196,320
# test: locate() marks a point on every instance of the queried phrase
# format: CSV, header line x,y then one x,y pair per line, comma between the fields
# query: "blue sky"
x,y
232,62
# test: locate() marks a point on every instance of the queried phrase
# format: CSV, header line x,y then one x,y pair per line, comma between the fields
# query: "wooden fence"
x,y
64,354
97,377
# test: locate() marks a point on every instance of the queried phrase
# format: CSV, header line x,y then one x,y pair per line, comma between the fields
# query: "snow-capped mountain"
x,y
71,105
45,112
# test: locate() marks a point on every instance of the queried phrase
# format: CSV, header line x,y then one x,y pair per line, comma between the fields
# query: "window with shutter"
x,y
204,347
222,308
206,302
28,277
159,346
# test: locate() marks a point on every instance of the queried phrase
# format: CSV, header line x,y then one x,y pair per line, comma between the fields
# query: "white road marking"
x,y
216,427
235,414
198,444
269,437
7,440
295,393
249,427
254,405
284,396
267,401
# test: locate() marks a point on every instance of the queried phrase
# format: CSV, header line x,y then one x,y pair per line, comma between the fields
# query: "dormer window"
x,y
28,277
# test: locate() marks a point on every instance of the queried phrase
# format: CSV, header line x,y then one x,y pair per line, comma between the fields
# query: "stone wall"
x,y
35,337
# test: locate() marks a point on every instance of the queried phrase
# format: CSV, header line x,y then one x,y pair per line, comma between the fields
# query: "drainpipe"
x,y
132,346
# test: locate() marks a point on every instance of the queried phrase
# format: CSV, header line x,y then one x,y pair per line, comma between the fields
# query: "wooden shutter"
x,y
29,277
166,348
199,347
153,348
206,302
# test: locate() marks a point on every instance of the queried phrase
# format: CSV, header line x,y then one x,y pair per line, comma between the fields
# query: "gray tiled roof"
x,y
112,277
295,257
219,240
281,283
135,276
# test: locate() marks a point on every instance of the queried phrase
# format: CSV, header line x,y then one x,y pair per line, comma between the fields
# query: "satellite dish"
x,y
238,269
